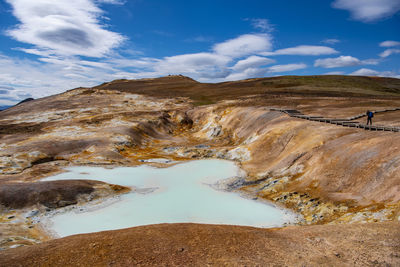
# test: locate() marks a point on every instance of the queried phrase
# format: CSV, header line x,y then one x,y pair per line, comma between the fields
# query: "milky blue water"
x,y
177,194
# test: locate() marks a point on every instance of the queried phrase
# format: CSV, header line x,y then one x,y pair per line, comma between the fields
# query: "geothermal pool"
x,y
177,194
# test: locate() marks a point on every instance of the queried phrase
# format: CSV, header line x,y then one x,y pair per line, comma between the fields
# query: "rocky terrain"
x,y
199,245
336,177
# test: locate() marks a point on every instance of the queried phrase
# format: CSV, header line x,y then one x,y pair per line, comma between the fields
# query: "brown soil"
x,y
303,86
375,244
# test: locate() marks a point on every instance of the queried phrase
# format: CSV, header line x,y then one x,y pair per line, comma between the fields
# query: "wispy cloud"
x,y
365,72
389,43
334,73
63,27
52,75
192,63
389,52
244,45
330,41
255,72
139,63
200,39
252,62
9,95
262,24
343,61
114,2
246,74
368,10
303,50
287,67
370,72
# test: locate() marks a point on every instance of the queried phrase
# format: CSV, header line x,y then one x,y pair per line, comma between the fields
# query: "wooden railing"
x,y
346,122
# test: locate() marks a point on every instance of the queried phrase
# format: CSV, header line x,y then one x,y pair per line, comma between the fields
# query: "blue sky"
x,y
49,46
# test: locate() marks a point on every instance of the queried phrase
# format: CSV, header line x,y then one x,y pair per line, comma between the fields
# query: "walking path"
x,y
347,122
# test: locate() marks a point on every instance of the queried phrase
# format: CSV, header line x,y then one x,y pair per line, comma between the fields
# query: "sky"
x,y
49,46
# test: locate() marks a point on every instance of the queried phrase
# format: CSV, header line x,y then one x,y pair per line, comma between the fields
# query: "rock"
x,y
31,213
51,194
63,203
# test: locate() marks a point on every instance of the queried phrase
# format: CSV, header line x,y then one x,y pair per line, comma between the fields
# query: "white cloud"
x,y
252,62
389,52
254,72
114,2
303,50
6,102
4,90
334,73
34,51
389,43
244,45
369,10
51,76
200,39
140,63
369,72
365,72
370,61
63,27
247,73
287,67
10,96
330,41
191,63
342,61
262,24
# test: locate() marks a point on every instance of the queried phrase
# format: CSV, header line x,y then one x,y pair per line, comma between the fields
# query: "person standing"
x,y
370,114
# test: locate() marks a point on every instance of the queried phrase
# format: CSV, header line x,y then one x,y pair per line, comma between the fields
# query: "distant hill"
x,y
23,101
4,107
316,85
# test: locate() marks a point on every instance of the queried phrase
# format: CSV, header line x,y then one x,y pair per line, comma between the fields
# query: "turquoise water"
x,y
181,193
